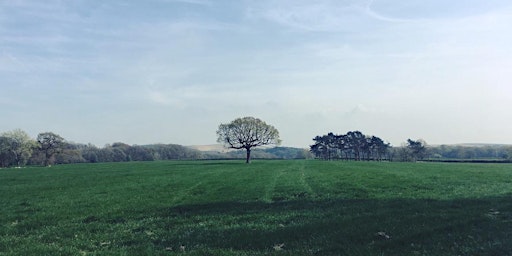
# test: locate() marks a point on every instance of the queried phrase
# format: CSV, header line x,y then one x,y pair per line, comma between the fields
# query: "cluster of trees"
x,y
411,151
357,146
18,149
11,151
351,146
121,152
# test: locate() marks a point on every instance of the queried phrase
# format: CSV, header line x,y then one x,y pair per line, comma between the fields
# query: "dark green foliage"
x,y
417,149
275,208
351,146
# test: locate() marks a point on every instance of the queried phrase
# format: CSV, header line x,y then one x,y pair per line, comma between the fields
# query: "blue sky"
x,y
170,71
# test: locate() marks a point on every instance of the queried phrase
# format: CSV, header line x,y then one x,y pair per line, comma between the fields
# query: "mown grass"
x,y
265,208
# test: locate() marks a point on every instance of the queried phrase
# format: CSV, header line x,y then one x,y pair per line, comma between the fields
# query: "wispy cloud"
x,y
368,10
310,16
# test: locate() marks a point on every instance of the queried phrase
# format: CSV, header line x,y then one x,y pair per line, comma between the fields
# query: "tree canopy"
x,y
51,144
16,148
353,145
246,133
417,149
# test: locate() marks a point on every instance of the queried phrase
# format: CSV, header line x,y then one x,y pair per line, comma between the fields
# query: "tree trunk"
x,y
248,158
47,159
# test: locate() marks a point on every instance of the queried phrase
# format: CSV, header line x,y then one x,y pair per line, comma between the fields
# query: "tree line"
x,y
18,149
357,146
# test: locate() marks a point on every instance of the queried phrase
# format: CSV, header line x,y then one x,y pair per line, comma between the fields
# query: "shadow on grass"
x,y
344,227
300,226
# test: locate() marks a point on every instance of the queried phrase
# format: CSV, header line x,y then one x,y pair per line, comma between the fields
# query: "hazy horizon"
x,y
171,71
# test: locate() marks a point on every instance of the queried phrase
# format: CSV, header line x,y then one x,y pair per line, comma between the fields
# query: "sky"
x,y
171,71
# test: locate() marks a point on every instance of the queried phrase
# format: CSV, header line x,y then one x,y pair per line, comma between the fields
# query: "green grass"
x,y
229,208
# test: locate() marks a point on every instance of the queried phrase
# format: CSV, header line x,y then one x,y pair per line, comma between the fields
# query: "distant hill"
x,y
476,145
472,151
212,148
218,151
481,145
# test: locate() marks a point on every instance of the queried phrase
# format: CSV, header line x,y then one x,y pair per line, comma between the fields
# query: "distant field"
x,y
276,207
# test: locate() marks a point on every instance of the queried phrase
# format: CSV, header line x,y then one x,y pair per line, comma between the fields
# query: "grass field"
x,y
266,208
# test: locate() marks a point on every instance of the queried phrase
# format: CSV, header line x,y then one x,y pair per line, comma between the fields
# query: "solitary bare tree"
x,y
246,133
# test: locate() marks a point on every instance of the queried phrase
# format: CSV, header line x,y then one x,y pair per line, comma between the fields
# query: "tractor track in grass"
x,y
303,181
270,188
294,187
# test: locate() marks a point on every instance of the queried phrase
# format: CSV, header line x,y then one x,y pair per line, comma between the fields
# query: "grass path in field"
x,y
265,208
